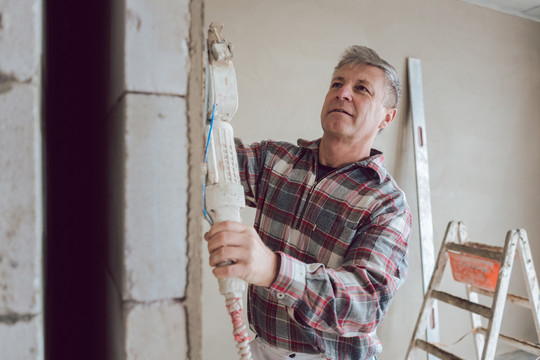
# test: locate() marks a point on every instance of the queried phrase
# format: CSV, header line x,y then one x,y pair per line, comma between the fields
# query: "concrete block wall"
x,y
156,61
21,219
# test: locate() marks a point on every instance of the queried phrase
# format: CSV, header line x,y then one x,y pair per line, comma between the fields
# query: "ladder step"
x,y
481,250
462,303
527,346
510,298
435,350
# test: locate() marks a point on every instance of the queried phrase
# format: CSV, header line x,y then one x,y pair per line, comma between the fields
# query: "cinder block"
x,y
156,51
22,339
20,207
156,331
156,176
20,39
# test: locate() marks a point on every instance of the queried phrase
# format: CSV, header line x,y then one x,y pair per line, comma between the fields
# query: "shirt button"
x,y
280,295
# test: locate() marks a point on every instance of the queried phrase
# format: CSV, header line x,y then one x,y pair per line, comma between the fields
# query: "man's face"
x,y
353,109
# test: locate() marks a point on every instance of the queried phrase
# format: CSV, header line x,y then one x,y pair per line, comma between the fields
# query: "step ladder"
x,y
486,271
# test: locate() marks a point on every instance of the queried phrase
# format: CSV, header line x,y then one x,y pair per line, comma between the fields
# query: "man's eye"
x,y
336,85
361,88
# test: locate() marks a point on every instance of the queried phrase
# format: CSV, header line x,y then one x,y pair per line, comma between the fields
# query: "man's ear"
x,y
389,116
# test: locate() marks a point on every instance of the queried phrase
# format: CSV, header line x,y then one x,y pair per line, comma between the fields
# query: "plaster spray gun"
x,y
223,193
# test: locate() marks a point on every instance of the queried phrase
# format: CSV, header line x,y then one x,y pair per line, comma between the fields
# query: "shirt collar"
x,y
375,161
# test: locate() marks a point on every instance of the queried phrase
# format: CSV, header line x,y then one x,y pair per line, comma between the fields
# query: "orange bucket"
x,y
474,270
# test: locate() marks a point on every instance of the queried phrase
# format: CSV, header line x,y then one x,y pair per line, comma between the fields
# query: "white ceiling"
x,y
529,9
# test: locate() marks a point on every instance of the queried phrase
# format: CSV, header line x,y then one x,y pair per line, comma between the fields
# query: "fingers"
x,y
225,226
242,268
227,254
226,234
230,262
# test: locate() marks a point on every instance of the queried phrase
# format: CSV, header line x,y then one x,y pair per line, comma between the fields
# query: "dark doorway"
x,y
75,83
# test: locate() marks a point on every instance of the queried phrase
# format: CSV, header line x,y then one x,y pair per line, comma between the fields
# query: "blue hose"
x,y
206,215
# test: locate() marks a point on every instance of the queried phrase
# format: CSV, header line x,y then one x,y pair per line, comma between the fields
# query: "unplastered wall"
x,y
481,78
155,151
21,192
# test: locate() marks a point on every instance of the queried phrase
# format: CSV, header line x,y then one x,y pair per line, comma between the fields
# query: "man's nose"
x,y
344,93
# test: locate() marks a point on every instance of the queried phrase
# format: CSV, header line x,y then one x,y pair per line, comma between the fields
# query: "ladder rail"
x,y
527,266
472,295
476,322
499,300
428,302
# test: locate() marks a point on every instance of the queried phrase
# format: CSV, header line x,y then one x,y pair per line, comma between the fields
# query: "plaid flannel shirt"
x,y
342,243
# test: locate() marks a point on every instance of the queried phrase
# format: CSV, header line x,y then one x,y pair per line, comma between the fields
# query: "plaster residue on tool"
x,y
223,193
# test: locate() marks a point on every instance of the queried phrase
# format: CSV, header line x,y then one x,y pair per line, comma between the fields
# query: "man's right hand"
x,y
241,247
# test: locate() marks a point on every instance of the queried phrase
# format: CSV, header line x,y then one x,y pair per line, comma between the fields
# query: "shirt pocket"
x,y
331,235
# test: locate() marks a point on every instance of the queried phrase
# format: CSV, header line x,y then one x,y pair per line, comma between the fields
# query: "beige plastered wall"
x,y
481,78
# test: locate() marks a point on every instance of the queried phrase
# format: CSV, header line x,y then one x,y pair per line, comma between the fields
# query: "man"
x,y
329,246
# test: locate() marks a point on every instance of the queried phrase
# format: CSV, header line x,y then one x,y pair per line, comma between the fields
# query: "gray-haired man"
x,y
328,249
